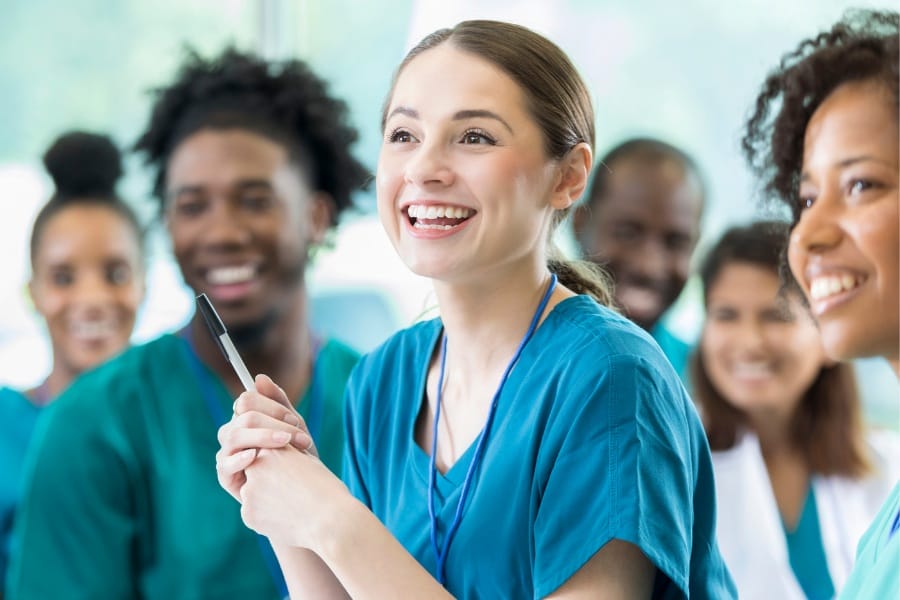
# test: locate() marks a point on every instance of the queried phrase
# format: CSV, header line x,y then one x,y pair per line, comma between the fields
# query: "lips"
x,y
823,287
92,331
437,216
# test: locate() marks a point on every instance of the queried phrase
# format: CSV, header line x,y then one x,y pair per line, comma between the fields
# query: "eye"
x,y
626,232
62,277
722,314
118,274
256,201
400,136
858,186
189,206
477,136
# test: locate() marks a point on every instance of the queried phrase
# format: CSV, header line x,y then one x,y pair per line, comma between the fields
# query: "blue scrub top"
x,y
18,416
594,439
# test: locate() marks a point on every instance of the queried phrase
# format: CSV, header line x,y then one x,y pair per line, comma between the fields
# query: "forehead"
x,y
214,155
445,79
856,117
664,192
86,230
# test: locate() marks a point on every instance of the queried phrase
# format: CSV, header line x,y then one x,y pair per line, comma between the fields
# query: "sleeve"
x,y
355,462
619,466
74,535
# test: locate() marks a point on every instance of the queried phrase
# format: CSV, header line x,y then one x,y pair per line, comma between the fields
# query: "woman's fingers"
x,y
258,402
255,430
267,387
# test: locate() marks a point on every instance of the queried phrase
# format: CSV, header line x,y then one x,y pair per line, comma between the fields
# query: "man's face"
x,y
643,231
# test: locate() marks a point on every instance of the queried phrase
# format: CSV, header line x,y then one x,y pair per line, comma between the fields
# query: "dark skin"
x,y
242,219
643,231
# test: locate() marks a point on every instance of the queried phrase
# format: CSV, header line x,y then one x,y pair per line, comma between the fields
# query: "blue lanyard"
x,y
211,397
440,551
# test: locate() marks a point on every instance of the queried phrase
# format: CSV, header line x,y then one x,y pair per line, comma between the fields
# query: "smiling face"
x,y
844,249
643,231
87,284
241,218
760,350
464,185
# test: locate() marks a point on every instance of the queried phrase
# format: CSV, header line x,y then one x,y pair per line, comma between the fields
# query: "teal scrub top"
x,y
18,416
807,554
594,439
876,572
121,498
676,350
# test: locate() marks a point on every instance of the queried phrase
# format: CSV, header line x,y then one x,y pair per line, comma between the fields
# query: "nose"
x,y
817,229
93,291
428,164
651,260
224,226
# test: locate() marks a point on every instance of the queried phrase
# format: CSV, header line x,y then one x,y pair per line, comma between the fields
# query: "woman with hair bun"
x,y
87,282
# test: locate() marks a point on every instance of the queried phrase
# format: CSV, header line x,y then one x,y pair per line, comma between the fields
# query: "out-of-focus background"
x,y
684,71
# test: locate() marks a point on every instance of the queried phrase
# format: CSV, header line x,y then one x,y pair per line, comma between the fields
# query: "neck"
x,y
895,364
484,321
57,381
774,432
282,349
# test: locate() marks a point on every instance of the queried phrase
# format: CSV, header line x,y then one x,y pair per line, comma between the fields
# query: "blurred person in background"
x,y
87,283
640,220
823,138
797,479
253,167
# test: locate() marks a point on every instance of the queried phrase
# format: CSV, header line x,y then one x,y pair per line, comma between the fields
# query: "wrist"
x,y
346,520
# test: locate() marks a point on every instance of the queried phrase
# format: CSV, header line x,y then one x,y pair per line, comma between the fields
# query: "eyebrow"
x,y
460,115
847,162
242,184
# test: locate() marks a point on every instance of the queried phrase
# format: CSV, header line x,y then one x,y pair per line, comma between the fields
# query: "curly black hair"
x,y
863,45
284,101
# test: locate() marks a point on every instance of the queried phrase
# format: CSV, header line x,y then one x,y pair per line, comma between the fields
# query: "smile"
x,y
230,275
827,286
93,330
437,216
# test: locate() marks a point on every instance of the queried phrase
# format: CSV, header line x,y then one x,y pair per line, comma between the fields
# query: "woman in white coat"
x,y
797,480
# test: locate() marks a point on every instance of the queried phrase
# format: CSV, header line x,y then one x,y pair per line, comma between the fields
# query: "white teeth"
x,y
230,275
92,329
829,285
752,370
421,211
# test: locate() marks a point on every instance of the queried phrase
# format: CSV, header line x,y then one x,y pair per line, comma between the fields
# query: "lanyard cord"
x,y
440,552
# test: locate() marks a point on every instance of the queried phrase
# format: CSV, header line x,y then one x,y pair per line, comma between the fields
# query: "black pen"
x,y
218,331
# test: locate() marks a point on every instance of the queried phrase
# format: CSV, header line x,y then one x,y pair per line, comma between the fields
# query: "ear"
x,y
321,209
32,296
574,169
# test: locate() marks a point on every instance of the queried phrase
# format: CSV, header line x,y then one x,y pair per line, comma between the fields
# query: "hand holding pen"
x,y
264,417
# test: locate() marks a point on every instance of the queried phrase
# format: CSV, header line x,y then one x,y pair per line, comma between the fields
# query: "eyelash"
x,y
867,184
395,135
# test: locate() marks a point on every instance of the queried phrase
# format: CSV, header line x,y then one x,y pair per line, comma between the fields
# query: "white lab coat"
x,y
749,529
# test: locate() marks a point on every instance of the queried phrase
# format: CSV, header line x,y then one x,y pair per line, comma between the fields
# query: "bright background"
x,y
683,71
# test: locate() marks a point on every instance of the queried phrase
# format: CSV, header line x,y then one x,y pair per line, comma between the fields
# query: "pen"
x,y
218,331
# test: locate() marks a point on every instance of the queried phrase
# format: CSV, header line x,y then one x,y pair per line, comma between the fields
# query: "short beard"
x,y
251,336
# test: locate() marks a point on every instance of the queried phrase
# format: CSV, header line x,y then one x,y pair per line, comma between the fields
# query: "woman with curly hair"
x,y
253,166
830,154
797,478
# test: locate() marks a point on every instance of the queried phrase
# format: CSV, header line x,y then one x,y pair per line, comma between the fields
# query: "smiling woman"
x,y
87,282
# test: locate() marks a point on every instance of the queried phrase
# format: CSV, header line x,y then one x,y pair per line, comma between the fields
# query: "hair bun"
x,y
84,164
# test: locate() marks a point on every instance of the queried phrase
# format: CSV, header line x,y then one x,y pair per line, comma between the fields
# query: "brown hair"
x,y
827,424
557,99
862,46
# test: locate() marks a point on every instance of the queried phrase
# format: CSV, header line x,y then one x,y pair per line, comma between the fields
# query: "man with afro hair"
x,y
253,167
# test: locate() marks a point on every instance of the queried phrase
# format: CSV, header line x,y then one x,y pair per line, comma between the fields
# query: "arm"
x,y
76,520
618,570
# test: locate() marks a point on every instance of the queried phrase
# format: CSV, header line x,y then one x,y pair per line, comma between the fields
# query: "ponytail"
x,y
582,277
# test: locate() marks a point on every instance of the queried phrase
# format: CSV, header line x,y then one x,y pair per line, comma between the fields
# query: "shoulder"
x,y
884,448
128,373
338,355
399,353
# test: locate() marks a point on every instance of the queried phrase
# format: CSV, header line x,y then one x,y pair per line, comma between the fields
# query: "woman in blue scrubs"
x,y
529,442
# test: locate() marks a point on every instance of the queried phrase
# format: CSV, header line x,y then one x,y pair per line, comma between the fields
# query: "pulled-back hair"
x,y
85,168
862,46
827,424
284,102
556,98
